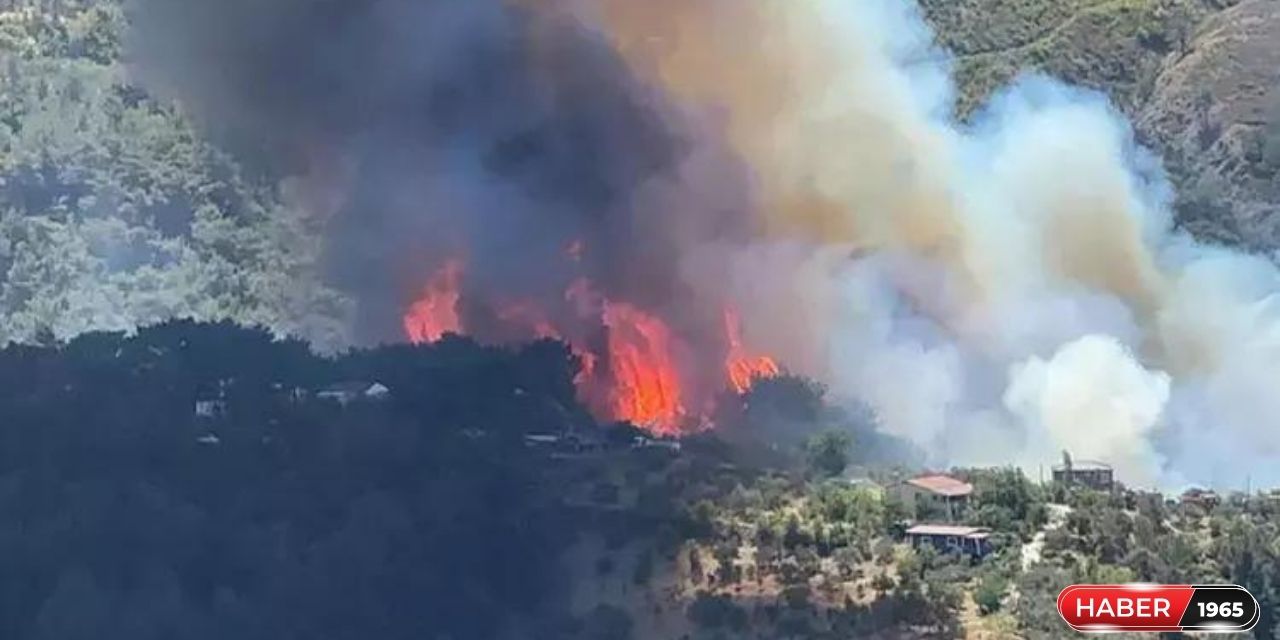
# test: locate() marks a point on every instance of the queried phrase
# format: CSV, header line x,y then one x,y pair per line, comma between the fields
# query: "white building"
x,y
345,393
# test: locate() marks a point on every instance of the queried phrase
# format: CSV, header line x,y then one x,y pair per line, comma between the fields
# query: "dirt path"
x,y
1031,552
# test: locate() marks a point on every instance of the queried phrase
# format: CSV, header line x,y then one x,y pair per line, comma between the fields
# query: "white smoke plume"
x,y
1094,399
998,290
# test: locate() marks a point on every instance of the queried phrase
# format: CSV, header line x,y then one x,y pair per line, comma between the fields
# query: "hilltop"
x,y
1197,78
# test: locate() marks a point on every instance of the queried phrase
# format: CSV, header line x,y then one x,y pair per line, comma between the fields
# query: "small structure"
x,y
292,395
939,492
974,542
211,400
541,441
210,408
1272,497
585,441
345,393
574,443
1203,498
666,444
1085,473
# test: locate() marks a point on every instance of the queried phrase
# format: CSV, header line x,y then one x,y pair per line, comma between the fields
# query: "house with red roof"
x,y
934,494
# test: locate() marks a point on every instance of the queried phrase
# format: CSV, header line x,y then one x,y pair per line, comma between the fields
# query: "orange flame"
x,y
436,311
646,387
743,368
633,376
527,315
574,250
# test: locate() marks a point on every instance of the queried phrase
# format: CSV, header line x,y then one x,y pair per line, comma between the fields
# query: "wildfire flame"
x,y
632,376
646,387
574,250
436,311
743,368
527,315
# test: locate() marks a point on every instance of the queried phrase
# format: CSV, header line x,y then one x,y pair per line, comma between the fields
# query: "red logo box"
x,y
1154,607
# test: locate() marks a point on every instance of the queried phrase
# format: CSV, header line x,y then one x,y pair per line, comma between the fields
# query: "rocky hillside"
x,y
1197,77
1215,112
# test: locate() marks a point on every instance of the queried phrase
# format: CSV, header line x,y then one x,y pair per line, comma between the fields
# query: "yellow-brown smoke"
x,y
843,153
1037,229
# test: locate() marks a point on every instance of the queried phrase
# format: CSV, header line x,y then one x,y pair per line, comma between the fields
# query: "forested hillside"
x,y
195,482
207,481
1197,77
114,211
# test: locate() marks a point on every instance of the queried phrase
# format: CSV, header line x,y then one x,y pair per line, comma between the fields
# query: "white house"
x,y
211,407
345,393
657,443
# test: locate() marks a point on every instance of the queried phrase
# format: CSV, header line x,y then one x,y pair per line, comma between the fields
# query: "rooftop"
x,y
942,485
948,530
1084,465
1197,492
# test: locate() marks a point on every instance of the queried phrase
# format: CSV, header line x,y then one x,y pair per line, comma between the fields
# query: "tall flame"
x,y
436,311
646,386
529,316
743,368
630,375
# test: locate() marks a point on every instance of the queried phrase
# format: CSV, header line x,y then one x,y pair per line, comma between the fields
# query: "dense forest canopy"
x,y
115,211
209,480
130,513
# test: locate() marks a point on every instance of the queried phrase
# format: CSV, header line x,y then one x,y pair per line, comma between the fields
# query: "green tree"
x,y
1007,501
990,592
77,609
1248,554
716,612
727,569
827,453
115,212
607,622
643,572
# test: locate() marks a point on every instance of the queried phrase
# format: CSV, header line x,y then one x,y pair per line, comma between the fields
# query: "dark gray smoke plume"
x,y
471,130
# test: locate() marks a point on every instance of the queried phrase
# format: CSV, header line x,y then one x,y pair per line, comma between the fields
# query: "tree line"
x,y
127,515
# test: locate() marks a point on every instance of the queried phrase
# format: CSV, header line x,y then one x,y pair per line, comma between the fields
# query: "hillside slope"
x,y
1216,114
130,215
1197,77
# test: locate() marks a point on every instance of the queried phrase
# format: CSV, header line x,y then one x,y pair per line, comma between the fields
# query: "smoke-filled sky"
x,y
997,290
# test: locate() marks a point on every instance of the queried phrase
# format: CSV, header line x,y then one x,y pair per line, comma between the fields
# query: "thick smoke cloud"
x,y
1094,399
471,130
997,290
